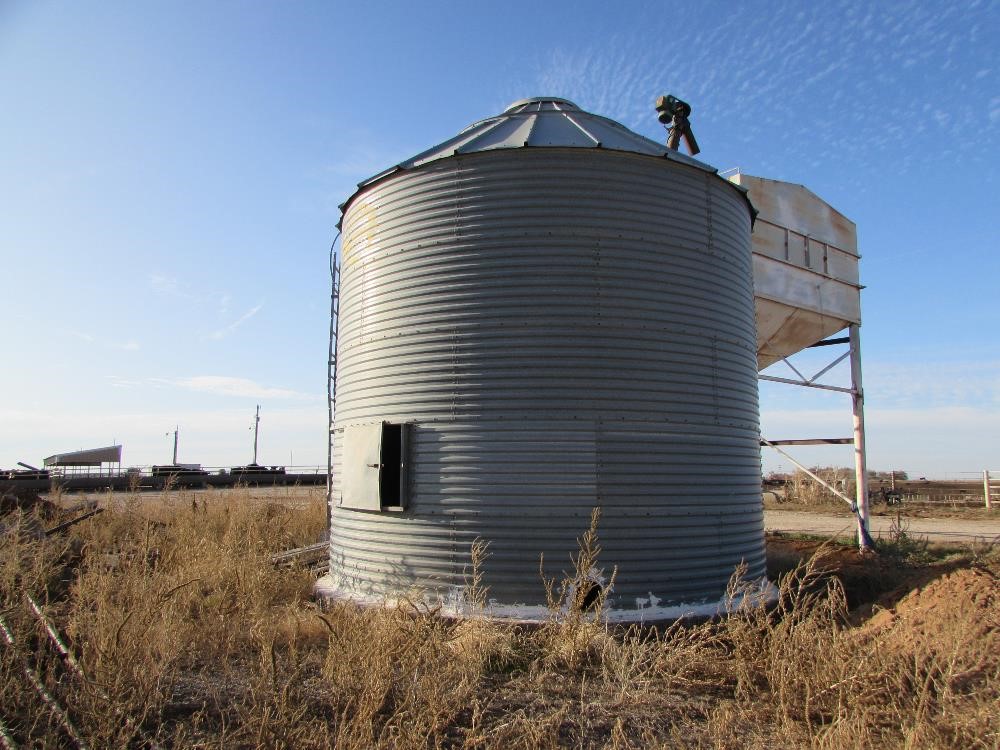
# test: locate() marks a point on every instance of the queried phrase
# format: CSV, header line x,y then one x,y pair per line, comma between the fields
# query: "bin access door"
x,y
374,468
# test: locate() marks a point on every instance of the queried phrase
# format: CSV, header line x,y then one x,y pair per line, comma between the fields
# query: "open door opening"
x,y
391,491
375,467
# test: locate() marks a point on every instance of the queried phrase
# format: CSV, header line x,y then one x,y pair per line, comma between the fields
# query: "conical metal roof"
x,y
540,122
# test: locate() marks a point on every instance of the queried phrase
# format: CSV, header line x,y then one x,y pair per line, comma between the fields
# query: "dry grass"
x,y
920,499
189,637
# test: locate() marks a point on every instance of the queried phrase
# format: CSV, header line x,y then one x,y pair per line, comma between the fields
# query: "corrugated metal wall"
x,y
564,329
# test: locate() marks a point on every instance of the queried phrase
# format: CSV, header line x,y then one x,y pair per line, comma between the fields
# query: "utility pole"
x,y
256,428
176,429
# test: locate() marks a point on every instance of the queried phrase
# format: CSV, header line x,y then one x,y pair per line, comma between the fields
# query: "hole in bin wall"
x,y
391,477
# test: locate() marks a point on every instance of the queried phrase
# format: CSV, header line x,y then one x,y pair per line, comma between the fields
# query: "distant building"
x,y
87,459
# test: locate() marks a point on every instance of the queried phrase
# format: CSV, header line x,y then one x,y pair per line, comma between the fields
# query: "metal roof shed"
x,y
90,457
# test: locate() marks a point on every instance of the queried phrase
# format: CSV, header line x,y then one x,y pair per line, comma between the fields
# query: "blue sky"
x,y
170,174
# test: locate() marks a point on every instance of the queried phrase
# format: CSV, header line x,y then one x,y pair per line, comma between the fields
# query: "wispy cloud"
x,y
117,381
362,163
748,72
946,384
223,385
928,441
168,286
171,287
221,333
337,178
129,345
213,437
909,384
220,385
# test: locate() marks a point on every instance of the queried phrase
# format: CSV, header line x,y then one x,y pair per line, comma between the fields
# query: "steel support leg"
x,y
860,460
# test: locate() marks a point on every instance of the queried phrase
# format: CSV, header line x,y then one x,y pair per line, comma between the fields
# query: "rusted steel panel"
x,y
795,206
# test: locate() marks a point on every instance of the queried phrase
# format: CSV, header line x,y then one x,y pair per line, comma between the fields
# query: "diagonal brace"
x,y
836,492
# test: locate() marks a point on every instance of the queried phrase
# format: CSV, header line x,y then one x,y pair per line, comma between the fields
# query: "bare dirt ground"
x,y
884,526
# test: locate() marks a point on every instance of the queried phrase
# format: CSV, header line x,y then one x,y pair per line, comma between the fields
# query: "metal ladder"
x,y
331,372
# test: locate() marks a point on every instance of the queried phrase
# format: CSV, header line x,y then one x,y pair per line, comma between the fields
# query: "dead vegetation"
x,y
913,498
187,635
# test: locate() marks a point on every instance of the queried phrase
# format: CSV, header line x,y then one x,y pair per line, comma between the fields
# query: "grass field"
x,y
186,635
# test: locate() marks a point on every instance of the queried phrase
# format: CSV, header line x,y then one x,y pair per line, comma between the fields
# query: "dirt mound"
x,y
24,513
26,501
959,608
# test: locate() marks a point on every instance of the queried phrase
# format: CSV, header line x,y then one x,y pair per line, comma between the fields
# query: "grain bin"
x,y
546,314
